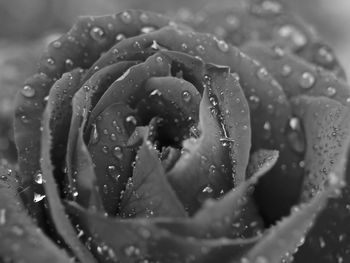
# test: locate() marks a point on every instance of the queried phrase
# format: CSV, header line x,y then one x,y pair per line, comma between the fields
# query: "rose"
x,y
158,92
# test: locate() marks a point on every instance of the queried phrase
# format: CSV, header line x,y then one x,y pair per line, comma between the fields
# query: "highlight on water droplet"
x,y
293,35
126,17
28,91
307,80
38,197
97,33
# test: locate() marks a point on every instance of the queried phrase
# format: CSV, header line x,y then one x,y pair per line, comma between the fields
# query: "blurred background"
x,y
27,26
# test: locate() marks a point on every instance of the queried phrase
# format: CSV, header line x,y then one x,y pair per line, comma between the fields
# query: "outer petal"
x,y
21,240
143,240
242,21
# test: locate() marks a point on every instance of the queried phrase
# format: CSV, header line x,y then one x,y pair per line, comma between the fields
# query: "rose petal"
x,y
290,232
61,222
148,193
143,240
326,125
21,239
298,76
328,240
224,134
240,22
111,158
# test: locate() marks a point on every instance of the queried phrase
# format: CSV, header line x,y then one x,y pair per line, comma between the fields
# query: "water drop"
x,y
232,22
69,63
97,33
57,44
28,91
262,74
267,130
223,46
38,178
261,259
159,59
144,18
296,141
2,217
118,152
286,70
325,55
278,51
205,193
267,8
120,37
95,135
38,197
131,119
126,17
50,61
331,91
147,29
307,80
254,102
200,49
294,35
155,92
294,123
105,149
132,251
212,170
186,96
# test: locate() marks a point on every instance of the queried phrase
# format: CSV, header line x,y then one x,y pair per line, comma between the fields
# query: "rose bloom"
x,y
142,139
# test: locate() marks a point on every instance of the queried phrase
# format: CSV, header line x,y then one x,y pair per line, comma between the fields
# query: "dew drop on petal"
x,y
2,217
262,74
95,136
118,152
325,55
267,130
286,70
254,102
69,63
147,29
205,193
120,37
261,259
28,91
223,46
38,178
105,149
131,119
50,61
57,44
331,91
97,33
294,123
132,251
291,33
200,49
126,17
38,197
232,22
186,96
307,80
159,59
144,18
